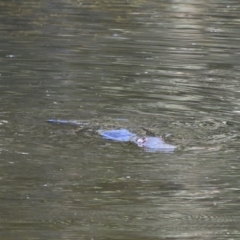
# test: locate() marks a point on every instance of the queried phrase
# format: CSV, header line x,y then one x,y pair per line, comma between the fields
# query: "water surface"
x,y
170,66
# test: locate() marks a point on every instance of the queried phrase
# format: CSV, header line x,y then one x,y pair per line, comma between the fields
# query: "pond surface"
x,y
169,66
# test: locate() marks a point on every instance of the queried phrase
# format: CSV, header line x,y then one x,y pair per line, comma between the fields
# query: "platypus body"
x,y
149,143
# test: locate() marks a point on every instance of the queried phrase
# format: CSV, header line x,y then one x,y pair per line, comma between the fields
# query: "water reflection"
x,y
169,66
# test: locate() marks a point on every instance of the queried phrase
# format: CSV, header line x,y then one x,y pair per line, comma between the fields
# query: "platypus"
x,y
149,143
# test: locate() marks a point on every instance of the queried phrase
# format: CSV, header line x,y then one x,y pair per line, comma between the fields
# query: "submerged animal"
x,y
149,143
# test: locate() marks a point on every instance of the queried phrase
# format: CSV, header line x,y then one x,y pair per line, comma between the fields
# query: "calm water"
x,y
171,66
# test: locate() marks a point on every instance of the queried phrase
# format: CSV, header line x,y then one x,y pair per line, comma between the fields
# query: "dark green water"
x,y
172,66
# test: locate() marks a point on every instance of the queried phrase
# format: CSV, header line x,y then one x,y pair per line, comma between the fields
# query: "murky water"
x,y
170,66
